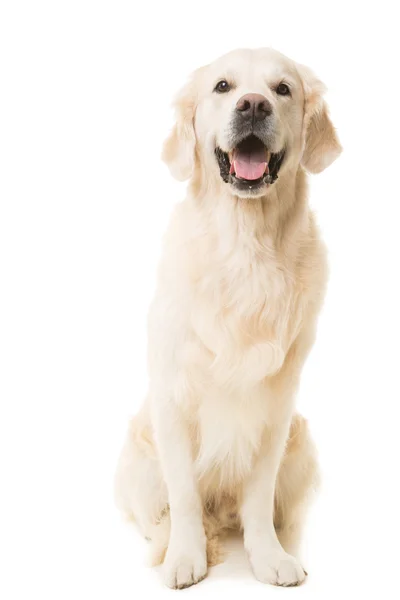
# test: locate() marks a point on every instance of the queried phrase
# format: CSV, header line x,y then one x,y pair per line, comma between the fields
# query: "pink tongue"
x,y
250,164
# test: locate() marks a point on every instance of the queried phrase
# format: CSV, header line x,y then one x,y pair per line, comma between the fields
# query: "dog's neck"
x,y
275,216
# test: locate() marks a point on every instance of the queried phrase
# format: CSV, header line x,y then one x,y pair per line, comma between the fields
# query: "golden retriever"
x,y
217,442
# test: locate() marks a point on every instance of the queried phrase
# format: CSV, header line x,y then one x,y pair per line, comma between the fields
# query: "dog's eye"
x,y
222,87
283,90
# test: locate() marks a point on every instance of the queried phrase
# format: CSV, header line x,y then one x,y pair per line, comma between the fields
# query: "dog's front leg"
x,y
185,562
269,561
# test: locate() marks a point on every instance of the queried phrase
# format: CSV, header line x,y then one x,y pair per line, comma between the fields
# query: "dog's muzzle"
x,y
250,165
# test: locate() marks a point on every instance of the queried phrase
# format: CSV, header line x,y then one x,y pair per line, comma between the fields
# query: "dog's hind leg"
x,y
297,480
140,491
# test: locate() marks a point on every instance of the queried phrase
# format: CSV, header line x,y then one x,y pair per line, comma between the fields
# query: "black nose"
x,y
254,106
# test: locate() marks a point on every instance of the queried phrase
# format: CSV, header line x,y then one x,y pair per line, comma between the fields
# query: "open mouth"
x,y
250,165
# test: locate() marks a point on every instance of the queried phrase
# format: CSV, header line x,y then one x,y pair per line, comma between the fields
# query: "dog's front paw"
x,y
277,567
183,568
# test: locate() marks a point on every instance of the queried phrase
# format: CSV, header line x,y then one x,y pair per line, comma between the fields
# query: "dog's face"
x,y
247,118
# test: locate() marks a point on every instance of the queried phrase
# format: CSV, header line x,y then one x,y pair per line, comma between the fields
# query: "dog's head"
x,y
247,118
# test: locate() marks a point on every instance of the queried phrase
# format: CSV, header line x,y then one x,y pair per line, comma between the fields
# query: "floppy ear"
x,y
320,142
179,148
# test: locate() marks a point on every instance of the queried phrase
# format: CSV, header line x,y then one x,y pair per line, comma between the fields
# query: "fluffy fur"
x,y
217,442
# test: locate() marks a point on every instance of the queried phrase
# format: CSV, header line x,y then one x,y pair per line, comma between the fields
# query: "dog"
x,y
217,443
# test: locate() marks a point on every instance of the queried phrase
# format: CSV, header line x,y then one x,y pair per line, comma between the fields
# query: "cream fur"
x,y
218,443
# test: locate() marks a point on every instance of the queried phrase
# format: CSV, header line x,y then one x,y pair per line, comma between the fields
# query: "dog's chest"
x,y
242,302
240,318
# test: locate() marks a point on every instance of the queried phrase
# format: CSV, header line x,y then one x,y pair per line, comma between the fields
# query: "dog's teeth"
x,y
266,164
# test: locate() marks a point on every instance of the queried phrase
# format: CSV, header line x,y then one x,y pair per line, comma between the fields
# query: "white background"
x,y
85,104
